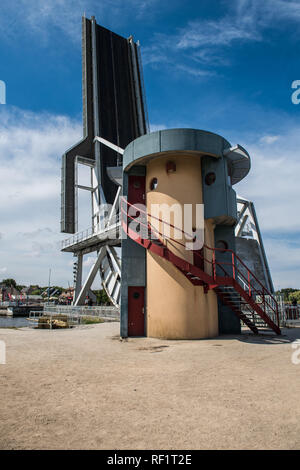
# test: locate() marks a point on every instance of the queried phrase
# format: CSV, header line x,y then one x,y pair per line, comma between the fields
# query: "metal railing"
x,y
90,232
74,315
51,318
78,237
110,312
19,303
292,312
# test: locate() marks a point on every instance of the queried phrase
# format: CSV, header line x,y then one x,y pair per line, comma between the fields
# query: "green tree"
x,y
9,282
36,292
294,296
286,292
102,298
20,287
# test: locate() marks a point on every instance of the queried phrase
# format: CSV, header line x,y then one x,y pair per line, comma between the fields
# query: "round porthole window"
x,y
136,295
222,245
153,184
136,185
210,178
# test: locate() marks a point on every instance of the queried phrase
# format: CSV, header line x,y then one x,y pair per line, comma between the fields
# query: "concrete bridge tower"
x,y
175,168
166,285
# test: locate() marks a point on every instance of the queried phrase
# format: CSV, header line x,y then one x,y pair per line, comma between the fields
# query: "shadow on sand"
x,y
288,335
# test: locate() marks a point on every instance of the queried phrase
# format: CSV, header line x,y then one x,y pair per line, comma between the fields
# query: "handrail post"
x,y
249,285
233,266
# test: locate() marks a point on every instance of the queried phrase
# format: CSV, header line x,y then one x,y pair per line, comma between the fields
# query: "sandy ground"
x,y
85,389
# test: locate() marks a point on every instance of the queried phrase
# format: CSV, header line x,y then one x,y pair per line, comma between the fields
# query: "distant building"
x,y
8,293
66,297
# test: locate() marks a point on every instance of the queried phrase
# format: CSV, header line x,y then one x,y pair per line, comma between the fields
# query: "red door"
x,y
136,189
136,316
136,195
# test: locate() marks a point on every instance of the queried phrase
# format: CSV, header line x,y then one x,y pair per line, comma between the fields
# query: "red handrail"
x,y
157,232
205,246
234,257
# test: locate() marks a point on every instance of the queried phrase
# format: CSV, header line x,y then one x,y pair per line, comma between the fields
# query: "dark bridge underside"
x,y
113,108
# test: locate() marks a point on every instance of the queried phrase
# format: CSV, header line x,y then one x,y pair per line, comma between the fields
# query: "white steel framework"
x,y
102,237
248,227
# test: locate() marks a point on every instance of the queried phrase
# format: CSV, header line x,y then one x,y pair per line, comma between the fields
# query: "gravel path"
x,y
85,389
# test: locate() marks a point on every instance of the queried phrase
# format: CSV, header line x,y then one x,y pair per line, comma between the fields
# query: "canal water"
x,y
16,322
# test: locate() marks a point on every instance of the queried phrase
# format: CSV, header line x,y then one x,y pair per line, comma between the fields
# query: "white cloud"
x,y
44,18
31,146
30,150
222,32
273,182
36,233
273,186
89,261
270,11
202,40
157,127
269,139
284,259
243,20
162,53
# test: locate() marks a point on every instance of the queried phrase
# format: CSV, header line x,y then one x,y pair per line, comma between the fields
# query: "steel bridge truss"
x,y
103,237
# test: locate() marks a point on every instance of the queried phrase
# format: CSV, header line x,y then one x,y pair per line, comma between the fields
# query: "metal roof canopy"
x,y
188,141
239,162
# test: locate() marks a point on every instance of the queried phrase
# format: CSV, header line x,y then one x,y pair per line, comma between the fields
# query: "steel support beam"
x,y
90,279
78,277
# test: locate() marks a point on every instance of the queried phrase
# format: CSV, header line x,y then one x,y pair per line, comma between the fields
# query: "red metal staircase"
x,y
234,283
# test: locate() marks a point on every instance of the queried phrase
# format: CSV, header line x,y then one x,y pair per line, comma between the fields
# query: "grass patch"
x,y
10,327
90,320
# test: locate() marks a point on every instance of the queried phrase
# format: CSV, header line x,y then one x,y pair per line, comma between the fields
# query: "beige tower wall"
x,y
175,308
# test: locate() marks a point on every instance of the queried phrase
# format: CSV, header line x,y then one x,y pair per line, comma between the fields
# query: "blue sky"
x,y
224,66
